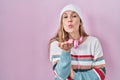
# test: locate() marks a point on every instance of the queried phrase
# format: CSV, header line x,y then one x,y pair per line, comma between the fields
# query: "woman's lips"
x,y
70,26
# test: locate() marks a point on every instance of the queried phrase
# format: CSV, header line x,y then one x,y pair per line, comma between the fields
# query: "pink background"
x,y
27,25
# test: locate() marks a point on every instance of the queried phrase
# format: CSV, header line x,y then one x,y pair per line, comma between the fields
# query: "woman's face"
x,y
71,21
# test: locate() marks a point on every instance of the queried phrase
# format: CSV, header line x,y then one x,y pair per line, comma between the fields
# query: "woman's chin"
x,y
70,31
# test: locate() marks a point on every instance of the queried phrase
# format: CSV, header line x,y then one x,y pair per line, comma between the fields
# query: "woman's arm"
x,y
61,63
62,67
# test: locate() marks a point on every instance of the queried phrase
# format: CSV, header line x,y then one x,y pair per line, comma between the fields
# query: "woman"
x,y
74,54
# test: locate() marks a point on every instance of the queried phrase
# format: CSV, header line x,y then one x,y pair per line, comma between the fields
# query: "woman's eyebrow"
x,y
64,13
74,13
71,13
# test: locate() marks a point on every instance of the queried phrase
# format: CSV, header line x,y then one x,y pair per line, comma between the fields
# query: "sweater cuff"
x,y
76,76
65,53
65,56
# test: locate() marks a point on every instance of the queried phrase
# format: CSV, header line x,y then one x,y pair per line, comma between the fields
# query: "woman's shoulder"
x,y
54,43
93,38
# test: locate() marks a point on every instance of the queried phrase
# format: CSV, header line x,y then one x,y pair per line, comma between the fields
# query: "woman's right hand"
x,y
66,46
72,73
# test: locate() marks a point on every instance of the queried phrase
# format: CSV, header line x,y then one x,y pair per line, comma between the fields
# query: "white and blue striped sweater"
x,y
88,54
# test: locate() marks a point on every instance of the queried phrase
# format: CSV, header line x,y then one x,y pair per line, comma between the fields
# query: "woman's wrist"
x,y
72,73
66,50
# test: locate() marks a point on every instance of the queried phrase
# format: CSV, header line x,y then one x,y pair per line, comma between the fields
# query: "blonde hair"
x,y
62,35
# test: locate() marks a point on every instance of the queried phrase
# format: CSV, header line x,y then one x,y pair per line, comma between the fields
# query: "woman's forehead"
x,y
69,12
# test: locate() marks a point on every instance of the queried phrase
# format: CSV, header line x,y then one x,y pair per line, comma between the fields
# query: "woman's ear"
x,y
80,21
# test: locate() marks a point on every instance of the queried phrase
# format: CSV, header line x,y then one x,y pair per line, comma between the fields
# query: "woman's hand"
x,y
71,73
66,46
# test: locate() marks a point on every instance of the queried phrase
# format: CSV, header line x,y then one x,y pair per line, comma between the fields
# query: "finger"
x,y
70,41
59,43
65,46
69,44
65,42
62,45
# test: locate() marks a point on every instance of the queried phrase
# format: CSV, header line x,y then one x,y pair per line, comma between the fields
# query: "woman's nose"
x,y
69,19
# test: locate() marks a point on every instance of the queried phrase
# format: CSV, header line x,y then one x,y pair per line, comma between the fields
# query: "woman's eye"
x,y
74,16
65,17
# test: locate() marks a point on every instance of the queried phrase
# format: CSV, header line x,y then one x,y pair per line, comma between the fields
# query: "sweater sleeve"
x,y
99,61
98,54
63,59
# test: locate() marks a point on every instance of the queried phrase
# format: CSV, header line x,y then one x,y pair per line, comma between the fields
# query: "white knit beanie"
x,y
72,8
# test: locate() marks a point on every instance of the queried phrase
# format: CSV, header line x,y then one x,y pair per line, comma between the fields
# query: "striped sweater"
x,y
87,61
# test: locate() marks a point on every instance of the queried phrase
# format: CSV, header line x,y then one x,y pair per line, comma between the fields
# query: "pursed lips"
x,y
70,26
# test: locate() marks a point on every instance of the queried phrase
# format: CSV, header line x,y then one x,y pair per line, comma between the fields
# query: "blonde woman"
x,y
75,55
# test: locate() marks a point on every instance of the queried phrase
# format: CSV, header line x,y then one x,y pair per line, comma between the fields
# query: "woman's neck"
x,y
75,35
